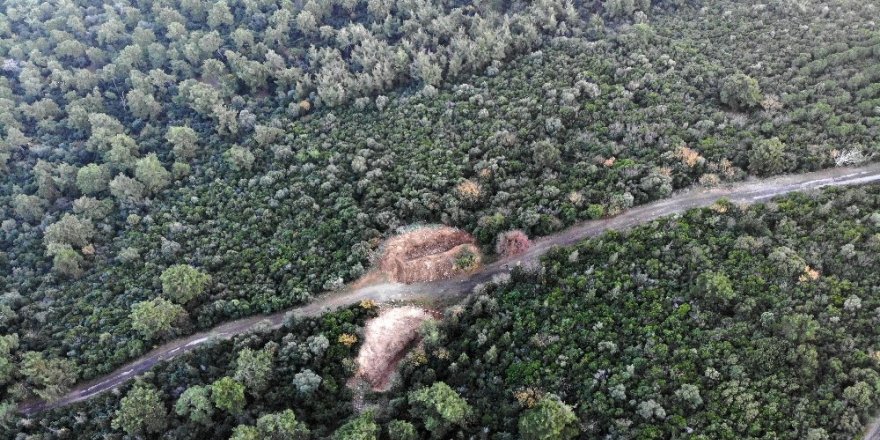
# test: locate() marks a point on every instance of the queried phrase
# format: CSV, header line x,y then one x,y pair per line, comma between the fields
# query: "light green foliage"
x,y
275,426
690,394
92,179
184,141
8,346
196,403
71,230
245,432
239,158
362,427
49,377
179,170
625,8
717,289
228,395
29,208
103,129
282,426
440,408
150,172
740,92
65,260
142,104
550,419
787,261
141,411
127,190
768,156
220,15
306,381
182,283
122,153
253,368
155,317
402,430
8,414
92,208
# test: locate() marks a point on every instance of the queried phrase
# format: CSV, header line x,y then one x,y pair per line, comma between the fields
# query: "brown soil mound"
x,y
427,254
386,341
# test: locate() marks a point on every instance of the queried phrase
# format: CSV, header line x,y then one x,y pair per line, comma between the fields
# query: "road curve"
x,y
749,191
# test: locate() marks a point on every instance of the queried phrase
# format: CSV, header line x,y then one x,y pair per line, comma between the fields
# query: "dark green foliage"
x,y
203,133
725,322
768,157
188,385
632,116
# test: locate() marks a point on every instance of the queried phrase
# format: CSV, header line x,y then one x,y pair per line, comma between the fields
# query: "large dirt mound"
x,y
428,254
386,341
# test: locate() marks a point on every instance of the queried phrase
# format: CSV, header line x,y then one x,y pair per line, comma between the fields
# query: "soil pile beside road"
x,y
387,338
428,254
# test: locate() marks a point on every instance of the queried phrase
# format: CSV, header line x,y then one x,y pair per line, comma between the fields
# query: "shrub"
x,y
768,157
739,92
182,283
512,243
550,419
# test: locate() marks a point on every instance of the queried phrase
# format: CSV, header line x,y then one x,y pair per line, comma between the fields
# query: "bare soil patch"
x,y
387,338
428,254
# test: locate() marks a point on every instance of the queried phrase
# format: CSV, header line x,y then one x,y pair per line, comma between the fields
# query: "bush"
x,y
512,243
182,283
740,92
768,157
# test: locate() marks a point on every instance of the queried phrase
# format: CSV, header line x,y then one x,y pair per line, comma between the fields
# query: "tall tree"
x,y
182,283
155,317
228,395
549,419
440,408
141,412
195,402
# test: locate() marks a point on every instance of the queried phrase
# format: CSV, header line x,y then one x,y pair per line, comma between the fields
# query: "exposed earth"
x,y
387,339
427,254
452,289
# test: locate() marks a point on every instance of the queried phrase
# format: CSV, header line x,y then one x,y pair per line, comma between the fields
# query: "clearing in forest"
x,y
387,338
428,254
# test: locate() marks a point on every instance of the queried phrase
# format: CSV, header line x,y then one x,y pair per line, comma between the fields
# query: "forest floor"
x,y
440,292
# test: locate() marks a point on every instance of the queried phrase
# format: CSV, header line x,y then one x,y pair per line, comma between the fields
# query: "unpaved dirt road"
x,y
448,290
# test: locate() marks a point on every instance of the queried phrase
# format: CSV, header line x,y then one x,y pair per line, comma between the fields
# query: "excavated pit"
x,y
427,254
387,338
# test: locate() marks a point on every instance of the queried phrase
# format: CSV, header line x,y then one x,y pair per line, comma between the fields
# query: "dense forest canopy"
x,y
168,165
726,322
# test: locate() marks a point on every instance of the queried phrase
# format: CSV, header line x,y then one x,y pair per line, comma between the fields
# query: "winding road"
x,y
749,191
